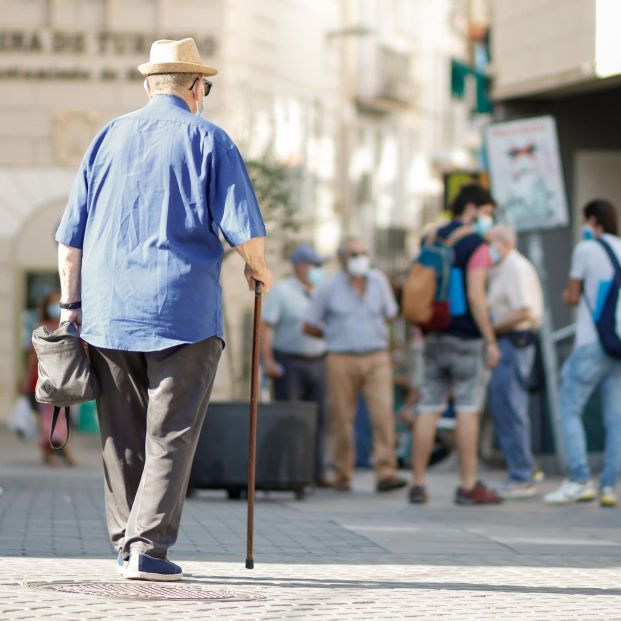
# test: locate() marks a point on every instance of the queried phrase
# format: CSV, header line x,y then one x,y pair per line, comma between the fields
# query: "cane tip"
x,y
249,563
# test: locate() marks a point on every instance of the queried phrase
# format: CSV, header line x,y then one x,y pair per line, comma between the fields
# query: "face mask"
x,y
587,232
494,254
359,266
483,224
199,111
53,311
315,275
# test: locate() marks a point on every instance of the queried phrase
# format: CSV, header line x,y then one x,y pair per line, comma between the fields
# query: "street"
x,y
331,556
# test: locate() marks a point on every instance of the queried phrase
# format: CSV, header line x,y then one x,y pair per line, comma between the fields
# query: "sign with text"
x,y
526,174
49,54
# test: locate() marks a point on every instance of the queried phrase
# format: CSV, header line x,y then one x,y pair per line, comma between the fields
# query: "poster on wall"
x,y
526,174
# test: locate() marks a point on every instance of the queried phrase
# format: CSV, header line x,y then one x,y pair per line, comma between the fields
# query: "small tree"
x,y
275,186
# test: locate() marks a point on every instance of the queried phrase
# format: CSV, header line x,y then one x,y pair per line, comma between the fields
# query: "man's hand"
x,y
72,316
262,275
492,354
272,369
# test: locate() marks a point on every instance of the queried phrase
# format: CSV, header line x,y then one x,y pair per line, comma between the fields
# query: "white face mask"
x,y
494,254
359,266
199,111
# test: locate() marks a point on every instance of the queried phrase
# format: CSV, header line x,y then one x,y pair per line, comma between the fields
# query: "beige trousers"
x,y
349,375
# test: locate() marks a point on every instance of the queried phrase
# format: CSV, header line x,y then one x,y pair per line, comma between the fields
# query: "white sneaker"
x,y
570,491
607,496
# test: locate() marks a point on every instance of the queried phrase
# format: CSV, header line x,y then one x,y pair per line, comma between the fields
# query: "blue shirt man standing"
x,y
139,263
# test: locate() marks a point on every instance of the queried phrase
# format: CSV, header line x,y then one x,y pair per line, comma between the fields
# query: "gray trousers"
x,y
305,380
151,411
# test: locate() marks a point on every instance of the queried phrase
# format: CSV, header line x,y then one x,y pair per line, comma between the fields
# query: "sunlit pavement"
x,y
332,556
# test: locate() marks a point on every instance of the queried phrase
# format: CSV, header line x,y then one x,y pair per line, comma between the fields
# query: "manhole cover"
x,y
144,590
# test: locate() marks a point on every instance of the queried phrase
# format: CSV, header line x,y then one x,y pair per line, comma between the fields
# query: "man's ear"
x,y
146,87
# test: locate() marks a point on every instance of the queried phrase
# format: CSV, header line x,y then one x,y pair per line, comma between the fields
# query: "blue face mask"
x,y
587,232
483,224
53,311
315,275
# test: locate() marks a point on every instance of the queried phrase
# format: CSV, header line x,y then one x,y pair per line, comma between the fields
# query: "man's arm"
x,y
511,320
477,300
573,293
311,330
270,366
253,253
69,269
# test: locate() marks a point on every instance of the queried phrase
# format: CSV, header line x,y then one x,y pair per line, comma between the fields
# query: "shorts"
x,y
454,368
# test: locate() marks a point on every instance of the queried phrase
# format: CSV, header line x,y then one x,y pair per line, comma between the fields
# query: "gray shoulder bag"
x,y
65,374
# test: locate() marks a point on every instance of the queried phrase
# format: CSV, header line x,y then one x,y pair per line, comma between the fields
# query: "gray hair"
x,y
504,234
342,249
168,83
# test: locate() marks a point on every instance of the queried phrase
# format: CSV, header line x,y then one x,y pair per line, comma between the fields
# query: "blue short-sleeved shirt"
x,y
351,323
154,190
285,310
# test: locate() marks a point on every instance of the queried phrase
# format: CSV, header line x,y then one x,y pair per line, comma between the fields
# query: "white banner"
x,y
526,174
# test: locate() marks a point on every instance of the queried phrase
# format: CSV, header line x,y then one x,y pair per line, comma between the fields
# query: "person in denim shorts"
x,y
457,361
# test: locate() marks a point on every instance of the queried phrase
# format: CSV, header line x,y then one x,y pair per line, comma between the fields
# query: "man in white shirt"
x,y
515,301
589,366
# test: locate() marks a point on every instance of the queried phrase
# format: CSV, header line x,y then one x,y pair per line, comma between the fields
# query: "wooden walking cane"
x,y
252,434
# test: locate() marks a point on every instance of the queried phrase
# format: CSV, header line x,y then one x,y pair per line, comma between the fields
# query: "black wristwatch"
x,y
70,305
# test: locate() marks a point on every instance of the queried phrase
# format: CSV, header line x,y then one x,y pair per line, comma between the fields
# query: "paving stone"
x,y
332,556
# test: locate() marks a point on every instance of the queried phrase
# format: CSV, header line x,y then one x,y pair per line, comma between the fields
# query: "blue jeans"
x,y
587,368
508,401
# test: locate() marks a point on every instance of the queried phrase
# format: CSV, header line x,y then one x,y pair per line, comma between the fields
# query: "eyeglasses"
x,y
206,85
353,255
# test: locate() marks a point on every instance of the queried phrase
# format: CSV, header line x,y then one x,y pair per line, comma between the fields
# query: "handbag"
x,y
65,374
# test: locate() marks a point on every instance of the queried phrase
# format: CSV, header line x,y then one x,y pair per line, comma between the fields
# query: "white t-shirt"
x,y
514,285
591,265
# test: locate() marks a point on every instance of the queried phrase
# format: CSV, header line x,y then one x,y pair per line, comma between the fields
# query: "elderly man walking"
x,y
139,262
515,301
351,310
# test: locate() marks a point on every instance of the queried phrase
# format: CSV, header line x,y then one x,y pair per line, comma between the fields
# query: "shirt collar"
x,y
169,101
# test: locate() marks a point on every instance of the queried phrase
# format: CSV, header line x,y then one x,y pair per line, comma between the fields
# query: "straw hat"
x,y
175,57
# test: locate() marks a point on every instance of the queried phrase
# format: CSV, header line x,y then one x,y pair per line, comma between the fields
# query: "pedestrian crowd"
x,y
140,252
327,339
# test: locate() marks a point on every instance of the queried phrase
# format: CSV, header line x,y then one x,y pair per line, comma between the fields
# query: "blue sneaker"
x,y
145,567
121,564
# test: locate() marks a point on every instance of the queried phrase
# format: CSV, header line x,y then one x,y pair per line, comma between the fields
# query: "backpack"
x,y
429,298
607,317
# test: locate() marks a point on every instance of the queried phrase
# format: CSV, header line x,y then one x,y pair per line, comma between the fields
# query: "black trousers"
x,y
305,380
151,411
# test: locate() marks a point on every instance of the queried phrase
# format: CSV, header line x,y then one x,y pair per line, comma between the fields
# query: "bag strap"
x,y
616,266
612,255
55,417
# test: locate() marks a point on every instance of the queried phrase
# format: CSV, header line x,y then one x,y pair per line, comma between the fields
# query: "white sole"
x,y
144,575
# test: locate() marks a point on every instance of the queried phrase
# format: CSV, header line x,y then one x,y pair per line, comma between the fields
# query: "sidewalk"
x,y
332,556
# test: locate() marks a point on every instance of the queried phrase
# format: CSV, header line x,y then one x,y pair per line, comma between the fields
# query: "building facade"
x,y
352,96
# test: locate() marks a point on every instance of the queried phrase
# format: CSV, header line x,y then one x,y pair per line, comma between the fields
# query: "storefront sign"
x,y
526,173
48,54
